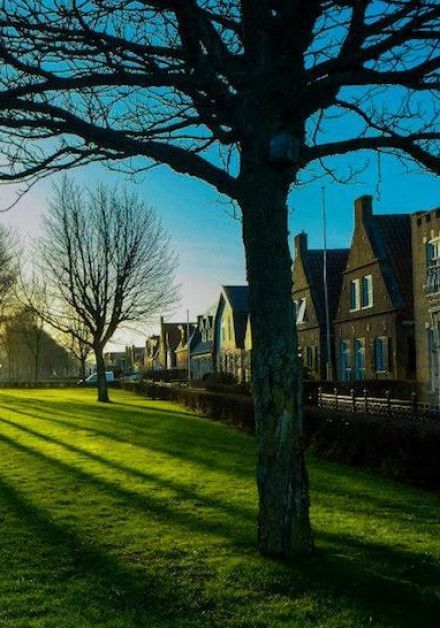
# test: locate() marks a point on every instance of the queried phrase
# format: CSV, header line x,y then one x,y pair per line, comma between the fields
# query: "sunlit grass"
x,y
140,514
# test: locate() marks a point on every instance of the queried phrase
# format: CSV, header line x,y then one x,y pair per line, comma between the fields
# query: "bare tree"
x,y
8,269
247,95
30,318
31,329
107,261
78,342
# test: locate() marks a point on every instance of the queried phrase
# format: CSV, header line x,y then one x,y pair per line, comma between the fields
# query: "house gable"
x,y
369,267
231,319
301,285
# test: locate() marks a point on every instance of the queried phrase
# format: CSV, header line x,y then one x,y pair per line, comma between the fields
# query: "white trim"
x,y
369,279
357,295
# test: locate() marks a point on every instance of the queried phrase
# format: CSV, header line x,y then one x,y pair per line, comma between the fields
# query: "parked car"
x,y
92,380
132,378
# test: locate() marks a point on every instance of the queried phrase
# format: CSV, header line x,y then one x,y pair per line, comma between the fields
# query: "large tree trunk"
x,y
83,367
102,380
283,521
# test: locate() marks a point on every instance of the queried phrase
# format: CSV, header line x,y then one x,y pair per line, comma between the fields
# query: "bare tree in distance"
x,y
77,341
249,96
9,269
107,261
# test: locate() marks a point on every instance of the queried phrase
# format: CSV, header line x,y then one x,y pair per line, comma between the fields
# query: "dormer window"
x,y
361,293
300,310
355,295
367,291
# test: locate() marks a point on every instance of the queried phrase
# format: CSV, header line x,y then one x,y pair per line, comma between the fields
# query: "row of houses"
x,y
383,303
218,341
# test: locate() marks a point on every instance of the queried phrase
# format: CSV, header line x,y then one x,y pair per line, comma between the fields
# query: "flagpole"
x,y
329,367
189,347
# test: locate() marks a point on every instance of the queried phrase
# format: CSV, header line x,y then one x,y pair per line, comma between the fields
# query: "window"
x,y
361,293
432,251
359,358
381,354
311,361
433,348
367,291
300,310
229,329
345,360
354,295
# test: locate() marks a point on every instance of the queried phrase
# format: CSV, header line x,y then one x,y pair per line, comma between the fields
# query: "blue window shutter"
x,y
377,360
352,295
364,291
386,354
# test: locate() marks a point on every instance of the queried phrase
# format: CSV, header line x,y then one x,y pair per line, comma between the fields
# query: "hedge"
x,y
403,449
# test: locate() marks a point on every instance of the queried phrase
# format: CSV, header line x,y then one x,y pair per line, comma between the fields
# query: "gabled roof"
x,y
199,346
172,331
313,262
193,330
390,236
202,347
237,298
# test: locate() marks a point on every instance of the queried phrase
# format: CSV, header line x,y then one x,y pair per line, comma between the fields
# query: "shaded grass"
x,y
139,513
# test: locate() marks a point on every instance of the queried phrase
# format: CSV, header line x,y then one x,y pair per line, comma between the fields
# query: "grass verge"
x,y
139,513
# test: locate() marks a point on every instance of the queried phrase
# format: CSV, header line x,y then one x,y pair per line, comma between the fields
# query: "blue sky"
x,y
208,240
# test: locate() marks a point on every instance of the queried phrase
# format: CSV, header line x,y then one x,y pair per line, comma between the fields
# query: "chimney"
x,y
300,244
363,209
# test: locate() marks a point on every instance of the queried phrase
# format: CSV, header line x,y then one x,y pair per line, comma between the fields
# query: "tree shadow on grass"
x,y
183,491
367,580
393,586
103,587
199,441
165,509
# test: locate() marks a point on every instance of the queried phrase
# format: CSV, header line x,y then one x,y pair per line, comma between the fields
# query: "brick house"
x,y
309,298
425,231
170,336
116,361
185,343
131,359
230,324
202,362
151,353
374,323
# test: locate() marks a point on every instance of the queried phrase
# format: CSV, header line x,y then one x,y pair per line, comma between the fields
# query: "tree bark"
x,y
102,380
83,368
283,521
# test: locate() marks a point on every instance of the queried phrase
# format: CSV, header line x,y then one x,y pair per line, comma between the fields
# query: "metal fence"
x,y
379,406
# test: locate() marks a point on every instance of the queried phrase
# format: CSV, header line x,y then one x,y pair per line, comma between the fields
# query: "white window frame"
x,y
357,293
300,310
435,244
369,279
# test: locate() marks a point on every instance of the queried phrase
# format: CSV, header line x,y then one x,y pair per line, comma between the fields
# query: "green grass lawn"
x,y
140,514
